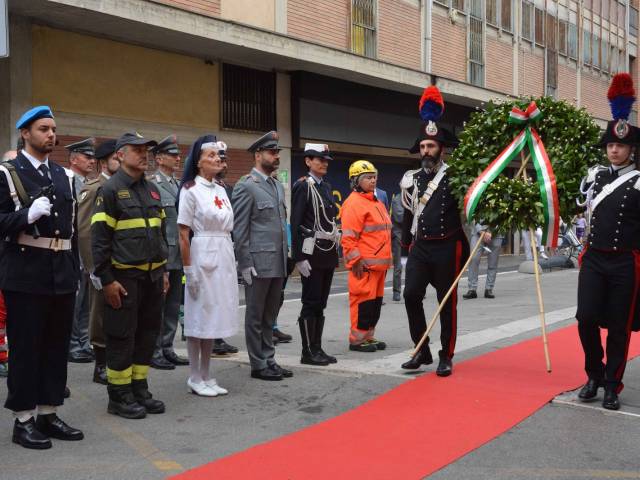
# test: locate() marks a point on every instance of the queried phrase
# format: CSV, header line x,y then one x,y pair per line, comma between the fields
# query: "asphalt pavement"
x,y
564,440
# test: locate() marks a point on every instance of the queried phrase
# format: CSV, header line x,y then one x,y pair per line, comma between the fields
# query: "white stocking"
x,y
193,350
206,344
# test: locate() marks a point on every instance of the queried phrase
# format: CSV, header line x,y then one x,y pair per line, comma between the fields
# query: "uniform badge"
x,y
124,194
621,129
99,201
138,135
218,202
431,129
83,195
155,195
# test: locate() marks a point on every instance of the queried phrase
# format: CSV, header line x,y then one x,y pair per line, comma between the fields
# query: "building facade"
x,y
343,72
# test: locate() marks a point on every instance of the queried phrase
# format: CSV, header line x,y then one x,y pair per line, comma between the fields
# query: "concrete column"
x,y
283,122
281,16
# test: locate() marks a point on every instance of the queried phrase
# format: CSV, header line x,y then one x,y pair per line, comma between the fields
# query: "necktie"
x,y
44,171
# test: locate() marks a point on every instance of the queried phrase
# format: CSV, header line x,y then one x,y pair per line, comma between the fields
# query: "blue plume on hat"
x,y
431,105
621,96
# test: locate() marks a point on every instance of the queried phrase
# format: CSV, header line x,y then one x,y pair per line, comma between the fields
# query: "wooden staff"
x,y
446,297
523,165
536,269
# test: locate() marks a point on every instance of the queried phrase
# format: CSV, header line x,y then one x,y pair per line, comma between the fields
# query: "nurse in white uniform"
x,y
205,220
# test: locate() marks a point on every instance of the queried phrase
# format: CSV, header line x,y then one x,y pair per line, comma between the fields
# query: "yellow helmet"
x,y
361,166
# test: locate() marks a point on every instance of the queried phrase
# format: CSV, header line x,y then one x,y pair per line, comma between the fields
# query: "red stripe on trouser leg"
x,y
454,301
632,311
3,326
363,293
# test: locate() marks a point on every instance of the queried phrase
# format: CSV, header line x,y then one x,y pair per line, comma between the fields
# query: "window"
x,y
540,15
562,37
492,12
595,50
248,99
604,55
527,20
506,16
363,27
605,9
586,42
633,21
587,4
621,11
476,47
550,30
443,2
596,6
572,45
551,74
458,4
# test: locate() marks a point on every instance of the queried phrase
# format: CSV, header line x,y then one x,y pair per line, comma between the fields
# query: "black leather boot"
x,y
123,403
590,390
100,368
141,392
610,400
27,435
423,357
307,331
445,367
318,340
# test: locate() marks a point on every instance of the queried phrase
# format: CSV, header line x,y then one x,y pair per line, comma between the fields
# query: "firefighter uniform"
x,y
129,246
432,229
313,215
366,238
609,279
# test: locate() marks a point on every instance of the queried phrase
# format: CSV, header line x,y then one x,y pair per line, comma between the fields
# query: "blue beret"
x,y
30,116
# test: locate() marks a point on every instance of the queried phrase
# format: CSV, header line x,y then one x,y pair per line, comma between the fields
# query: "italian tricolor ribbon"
x,y
546,178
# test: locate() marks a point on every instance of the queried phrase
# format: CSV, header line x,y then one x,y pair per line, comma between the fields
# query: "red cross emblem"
x,y
218,202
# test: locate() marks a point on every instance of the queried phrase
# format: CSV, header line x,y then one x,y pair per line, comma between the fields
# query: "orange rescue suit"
x,y
366,238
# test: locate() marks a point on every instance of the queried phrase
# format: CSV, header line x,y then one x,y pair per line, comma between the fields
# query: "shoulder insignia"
x,y
407,179
188,185
302,178
593,172
124,194
255,178
158,178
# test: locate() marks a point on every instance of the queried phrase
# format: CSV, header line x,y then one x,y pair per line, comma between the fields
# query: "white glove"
x,y
40,207
304,268
193,282
97,283
248,274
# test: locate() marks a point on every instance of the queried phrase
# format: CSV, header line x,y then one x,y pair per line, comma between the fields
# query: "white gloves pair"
x,y
304,267
192,281
248,274
97,283
39,208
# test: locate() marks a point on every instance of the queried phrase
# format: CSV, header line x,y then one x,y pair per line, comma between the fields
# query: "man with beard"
x,y
431,228
108,164
260,236
39,273
220,347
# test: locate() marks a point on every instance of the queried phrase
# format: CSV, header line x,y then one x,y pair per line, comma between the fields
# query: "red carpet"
x,y
442,419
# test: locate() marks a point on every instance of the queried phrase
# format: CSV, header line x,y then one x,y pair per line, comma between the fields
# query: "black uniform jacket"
x,y
128,231
440,219
39,270
302,220
615,224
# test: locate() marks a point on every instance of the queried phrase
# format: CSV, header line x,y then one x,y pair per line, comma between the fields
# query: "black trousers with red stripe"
x,y
607,294
436,263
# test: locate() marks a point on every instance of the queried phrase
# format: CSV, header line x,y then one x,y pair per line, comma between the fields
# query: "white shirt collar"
x,y
205,182
318,180
34,161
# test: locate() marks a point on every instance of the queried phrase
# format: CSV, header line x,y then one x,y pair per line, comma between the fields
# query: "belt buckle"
x,y
56,244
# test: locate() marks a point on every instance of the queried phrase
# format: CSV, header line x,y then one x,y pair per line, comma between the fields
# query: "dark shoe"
x,y
308,332
445,367
281,336
610,400
27,435
100,374
396,296
176,359
220,347
140,389
67,392
266,374
317,342
80,357
161,363
470,294
590,390
52,426
363,347
423,357
282,371
489,294
377,343
123,403
4,369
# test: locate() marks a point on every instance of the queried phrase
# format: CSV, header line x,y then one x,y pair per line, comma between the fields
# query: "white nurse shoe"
x,y
213,385
201,389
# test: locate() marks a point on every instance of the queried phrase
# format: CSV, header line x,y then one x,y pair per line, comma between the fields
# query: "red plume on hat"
x,y
431,105
621,96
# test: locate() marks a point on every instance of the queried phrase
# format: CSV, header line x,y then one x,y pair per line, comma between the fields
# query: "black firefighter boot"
x,y
307,331
123,403
143,396
100,368
317,344
423,357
